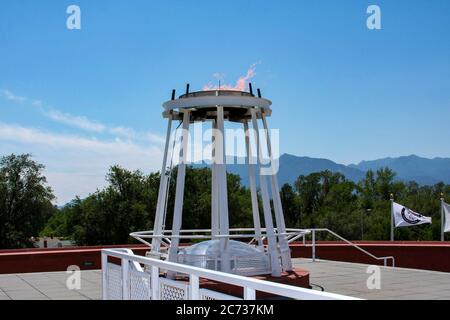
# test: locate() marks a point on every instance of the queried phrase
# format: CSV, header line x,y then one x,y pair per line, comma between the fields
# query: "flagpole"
x,y
442,217
392,217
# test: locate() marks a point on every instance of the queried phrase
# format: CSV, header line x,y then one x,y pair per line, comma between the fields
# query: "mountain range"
x,y
408,168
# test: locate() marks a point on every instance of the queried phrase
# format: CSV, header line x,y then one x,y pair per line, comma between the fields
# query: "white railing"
x,y
142,278
313,245
291,235
206,234
248,265
244,265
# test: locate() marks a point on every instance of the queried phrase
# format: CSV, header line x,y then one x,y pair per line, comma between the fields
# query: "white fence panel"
x,y
206,294
173,290
140,285
114,283
128,281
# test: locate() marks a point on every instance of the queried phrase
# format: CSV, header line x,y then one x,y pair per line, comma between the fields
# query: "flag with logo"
x,y
447,216
405,217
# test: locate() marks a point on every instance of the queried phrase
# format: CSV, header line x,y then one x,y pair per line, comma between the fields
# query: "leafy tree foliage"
x,y
330,201
109,215
128,203
25,200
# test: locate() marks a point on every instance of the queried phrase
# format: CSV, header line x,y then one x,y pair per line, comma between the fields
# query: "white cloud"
x,y
37,103
154,138
123,132
77,165
75,121
21,134
84,123
11,96
67,185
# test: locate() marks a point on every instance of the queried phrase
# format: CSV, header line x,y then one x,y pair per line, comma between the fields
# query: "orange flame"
x,y
240,85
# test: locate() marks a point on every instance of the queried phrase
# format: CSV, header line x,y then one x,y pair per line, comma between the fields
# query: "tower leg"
x,y
254,194
214,186
271,239
160,207
222,192
279,216
179,193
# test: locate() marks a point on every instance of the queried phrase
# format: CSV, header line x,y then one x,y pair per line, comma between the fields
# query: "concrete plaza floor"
x,y
49,286
395,283
337,277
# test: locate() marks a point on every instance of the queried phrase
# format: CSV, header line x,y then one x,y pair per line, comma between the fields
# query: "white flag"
x,y
447,217
404,217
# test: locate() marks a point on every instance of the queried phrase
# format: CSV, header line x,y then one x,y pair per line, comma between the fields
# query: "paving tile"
x,y
95,295
55,291
4,296
52,285
63,295
31,298
12,282
337,277
79,297
26,295
51,288
343,278
16,287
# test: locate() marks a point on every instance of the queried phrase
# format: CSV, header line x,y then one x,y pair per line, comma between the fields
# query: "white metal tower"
x,y
268,252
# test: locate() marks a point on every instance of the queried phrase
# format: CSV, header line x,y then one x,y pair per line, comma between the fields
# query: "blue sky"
x,y
80,100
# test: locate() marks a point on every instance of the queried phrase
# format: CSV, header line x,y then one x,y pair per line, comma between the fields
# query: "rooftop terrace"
x,y
396,283
337,277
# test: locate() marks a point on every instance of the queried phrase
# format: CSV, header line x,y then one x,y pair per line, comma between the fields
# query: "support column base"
x,y
297,277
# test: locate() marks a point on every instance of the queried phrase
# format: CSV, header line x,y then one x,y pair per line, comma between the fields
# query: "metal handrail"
x,y
291,234
194,234
313,235
249,285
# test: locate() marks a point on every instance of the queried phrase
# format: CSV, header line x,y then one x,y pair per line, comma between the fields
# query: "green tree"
x,y
25,200
107,216
384,183
197,200
321,199
128,203
291,206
